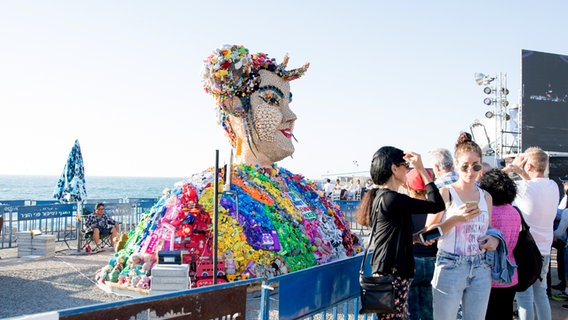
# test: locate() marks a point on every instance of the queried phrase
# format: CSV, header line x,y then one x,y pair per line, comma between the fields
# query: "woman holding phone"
x,y
461,274
391,212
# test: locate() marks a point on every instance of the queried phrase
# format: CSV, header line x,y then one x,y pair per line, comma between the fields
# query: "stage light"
x,y
480,78
487,101
487,90
507,117
504,103
505,91
489,114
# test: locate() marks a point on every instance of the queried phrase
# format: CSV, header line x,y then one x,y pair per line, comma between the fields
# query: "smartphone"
x,y
430,235
471,204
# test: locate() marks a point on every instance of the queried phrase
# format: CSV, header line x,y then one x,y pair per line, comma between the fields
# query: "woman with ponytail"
x,y
391,212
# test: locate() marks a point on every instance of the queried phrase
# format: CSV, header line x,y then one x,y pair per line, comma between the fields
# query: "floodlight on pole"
x,y
482,79
496,89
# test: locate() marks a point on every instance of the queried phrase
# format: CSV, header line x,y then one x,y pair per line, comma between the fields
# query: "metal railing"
x,y
61,219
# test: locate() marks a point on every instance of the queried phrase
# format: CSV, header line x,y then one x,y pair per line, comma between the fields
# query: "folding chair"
x,y
88,240
105,239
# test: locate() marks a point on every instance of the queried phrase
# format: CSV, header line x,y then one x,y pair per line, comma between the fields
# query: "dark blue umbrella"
x,y
71,185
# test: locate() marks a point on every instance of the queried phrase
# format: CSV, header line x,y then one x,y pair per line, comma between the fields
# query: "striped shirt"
x,y
446,179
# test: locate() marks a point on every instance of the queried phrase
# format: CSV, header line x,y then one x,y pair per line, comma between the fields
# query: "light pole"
x,y
495,87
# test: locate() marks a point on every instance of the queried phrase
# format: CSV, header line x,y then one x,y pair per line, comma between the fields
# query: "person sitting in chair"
x,y
101,224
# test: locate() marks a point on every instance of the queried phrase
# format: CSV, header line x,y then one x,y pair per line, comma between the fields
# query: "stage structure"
x,y
507,136
545,100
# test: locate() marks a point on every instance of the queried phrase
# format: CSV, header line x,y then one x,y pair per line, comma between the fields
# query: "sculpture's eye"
x,y
270,97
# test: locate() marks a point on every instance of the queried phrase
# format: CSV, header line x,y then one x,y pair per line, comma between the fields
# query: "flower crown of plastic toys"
x,y
232,72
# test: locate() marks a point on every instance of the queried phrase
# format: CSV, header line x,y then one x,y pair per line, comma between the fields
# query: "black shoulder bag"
x,y
377,293
528,258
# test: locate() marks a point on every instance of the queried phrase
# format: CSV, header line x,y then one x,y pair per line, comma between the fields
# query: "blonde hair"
x,y
537,158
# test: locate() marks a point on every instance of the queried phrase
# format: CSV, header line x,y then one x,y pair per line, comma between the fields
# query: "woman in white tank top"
x,y
461,274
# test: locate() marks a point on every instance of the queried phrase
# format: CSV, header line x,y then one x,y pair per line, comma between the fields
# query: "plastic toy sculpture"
x,y
274,222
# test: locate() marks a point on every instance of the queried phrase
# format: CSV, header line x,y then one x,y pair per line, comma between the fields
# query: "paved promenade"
x,y
39,285
66,281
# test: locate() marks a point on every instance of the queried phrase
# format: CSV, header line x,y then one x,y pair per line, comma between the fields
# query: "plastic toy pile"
x,y
272,222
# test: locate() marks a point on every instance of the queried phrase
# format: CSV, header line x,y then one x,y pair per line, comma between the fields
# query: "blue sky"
x,y
124,77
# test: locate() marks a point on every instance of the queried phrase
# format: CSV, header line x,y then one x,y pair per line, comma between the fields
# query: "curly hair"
x,y
500,186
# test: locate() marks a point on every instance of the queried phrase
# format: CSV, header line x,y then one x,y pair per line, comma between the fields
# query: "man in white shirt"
x,y
328,188
537,198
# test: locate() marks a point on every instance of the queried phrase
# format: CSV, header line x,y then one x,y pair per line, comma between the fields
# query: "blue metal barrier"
x,y
329,289
61,219
52,219
349,209
317,290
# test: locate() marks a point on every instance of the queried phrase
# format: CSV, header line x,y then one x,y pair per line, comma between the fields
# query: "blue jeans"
x,y
535,296
465,279
420,295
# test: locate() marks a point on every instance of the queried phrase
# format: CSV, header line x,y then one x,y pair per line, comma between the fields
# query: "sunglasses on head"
x,y
405,164
476,167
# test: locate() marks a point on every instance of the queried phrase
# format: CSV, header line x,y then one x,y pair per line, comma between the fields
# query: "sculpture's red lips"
x,y
287,133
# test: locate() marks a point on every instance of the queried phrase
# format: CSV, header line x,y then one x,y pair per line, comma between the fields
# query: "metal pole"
x,y
215,216
79,227
229,172
496,116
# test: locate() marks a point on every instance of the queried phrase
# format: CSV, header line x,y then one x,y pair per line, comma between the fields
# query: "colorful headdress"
x,y
231,73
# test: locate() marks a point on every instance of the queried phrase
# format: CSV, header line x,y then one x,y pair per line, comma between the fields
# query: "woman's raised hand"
x,y
414,159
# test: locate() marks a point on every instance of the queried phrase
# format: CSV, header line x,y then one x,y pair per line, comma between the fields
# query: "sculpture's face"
x,y
272,116
273,120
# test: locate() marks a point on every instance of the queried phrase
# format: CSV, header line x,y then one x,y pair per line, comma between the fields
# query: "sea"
x,y
30,187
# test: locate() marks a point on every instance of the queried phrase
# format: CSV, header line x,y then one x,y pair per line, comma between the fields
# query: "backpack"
x,y
528,257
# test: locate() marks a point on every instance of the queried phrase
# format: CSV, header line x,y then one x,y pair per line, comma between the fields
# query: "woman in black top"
x,y
388,171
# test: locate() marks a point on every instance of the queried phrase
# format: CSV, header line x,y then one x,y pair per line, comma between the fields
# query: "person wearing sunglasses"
x,y
390,212
461,274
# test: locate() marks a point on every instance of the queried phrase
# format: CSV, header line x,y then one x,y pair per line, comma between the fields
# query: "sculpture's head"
x,y
253,99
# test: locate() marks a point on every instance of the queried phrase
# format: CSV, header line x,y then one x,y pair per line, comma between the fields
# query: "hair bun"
x,y
464,137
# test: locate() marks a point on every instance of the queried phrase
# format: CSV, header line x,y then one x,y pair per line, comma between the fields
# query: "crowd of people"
x,y
350,191
469,271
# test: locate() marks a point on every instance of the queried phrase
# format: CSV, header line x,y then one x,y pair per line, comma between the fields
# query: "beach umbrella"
x,y
71,185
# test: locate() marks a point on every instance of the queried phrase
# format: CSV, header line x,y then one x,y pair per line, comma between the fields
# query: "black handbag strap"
x,y
371,237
